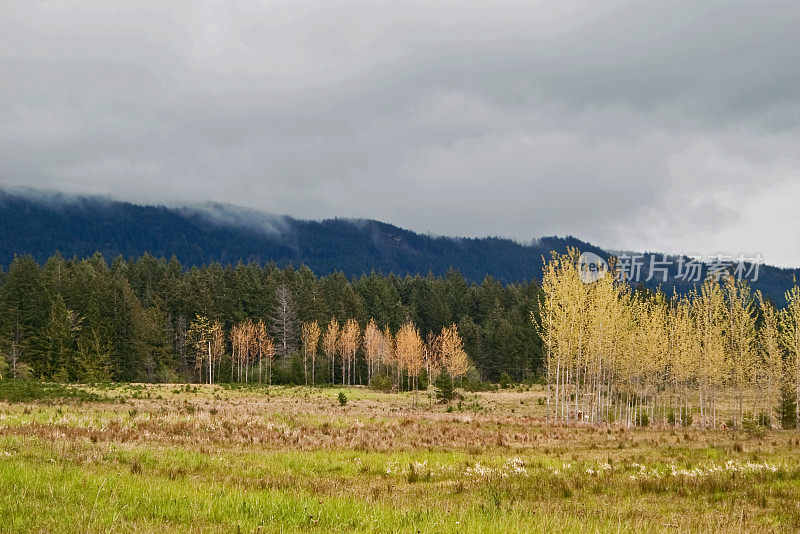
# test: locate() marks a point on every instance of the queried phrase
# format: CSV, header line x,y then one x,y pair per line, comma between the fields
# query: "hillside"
x,y
41,224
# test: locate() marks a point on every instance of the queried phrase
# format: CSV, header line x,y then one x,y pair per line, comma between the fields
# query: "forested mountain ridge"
x,y
41,224
80,226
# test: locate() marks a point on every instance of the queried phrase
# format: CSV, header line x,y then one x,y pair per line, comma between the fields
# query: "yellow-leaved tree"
x,y
309,336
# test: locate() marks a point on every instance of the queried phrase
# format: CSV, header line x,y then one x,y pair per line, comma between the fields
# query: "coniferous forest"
x,y
146,320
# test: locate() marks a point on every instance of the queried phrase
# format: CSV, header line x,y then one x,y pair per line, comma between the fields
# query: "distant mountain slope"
x,y
41,224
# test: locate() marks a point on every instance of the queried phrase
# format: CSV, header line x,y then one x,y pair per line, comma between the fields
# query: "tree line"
x,y
147,319
614,353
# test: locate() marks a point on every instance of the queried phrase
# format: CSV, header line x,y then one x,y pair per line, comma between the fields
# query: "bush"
x,y
281,375
412,475
444,387
730,423
474,385
472,382
21,370
505,380
297,375
751,427
15,390
422,380
342,398
382,382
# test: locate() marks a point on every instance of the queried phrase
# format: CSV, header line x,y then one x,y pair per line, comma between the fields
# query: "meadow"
x,y
217,458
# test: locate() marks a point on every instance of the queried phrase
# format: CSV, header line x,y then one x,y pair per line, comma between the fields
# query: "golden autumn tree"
x,y
790,338
709,307
330,345
200,333
685,357
309,336
268,352
451,350
389,355
433,362
349,340
236,336
771,376
374,348
249,348
410,350
262,340
217,344
244,343
741,338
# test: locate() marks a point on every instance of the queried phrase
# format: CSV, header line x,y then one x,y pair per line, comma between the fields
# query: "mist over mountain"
x,y
41,224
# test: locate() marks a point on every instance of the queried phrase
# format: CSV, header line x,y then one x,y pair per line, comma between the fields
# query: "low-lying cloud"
x,y
670,126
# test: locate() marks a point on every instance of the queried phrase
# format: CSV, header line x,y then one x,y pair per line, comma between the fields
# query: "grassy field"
x,y
212,458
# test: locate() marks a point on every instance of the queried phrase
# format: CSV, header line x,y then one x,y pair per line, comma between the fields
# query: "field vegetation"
x,y
248,458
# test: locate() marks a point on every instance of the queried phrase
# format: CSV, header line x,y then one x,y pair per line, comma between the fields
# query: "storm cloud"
x,y
670,126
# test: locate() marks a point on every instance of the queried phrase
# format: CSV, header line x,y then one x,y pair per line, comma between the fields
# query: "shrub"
x,y
297,375
474,385
751,427
444,387
730,423
382,382
422,380
14,390
505,380
342,398
412,475
21,370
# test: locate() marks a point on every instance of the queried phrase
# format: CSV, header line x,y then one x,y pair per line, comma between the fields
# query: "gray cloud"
x,y
668,126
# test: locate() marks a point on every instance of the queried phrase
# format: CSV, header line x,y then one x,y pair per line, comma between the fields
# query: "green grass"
x,y
50,487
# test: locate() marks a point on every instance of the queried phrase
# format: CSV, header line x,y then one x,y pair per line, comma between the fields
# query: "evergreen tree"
x,y
444,387
60,343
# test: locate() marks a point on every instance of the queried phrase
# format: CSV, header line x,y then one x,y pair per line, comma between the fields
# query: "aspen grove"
x,y
613,354
401,356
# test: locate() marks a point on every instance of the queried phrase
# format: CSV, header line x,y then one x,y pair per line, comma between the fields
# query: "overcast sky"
x,y
669,126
